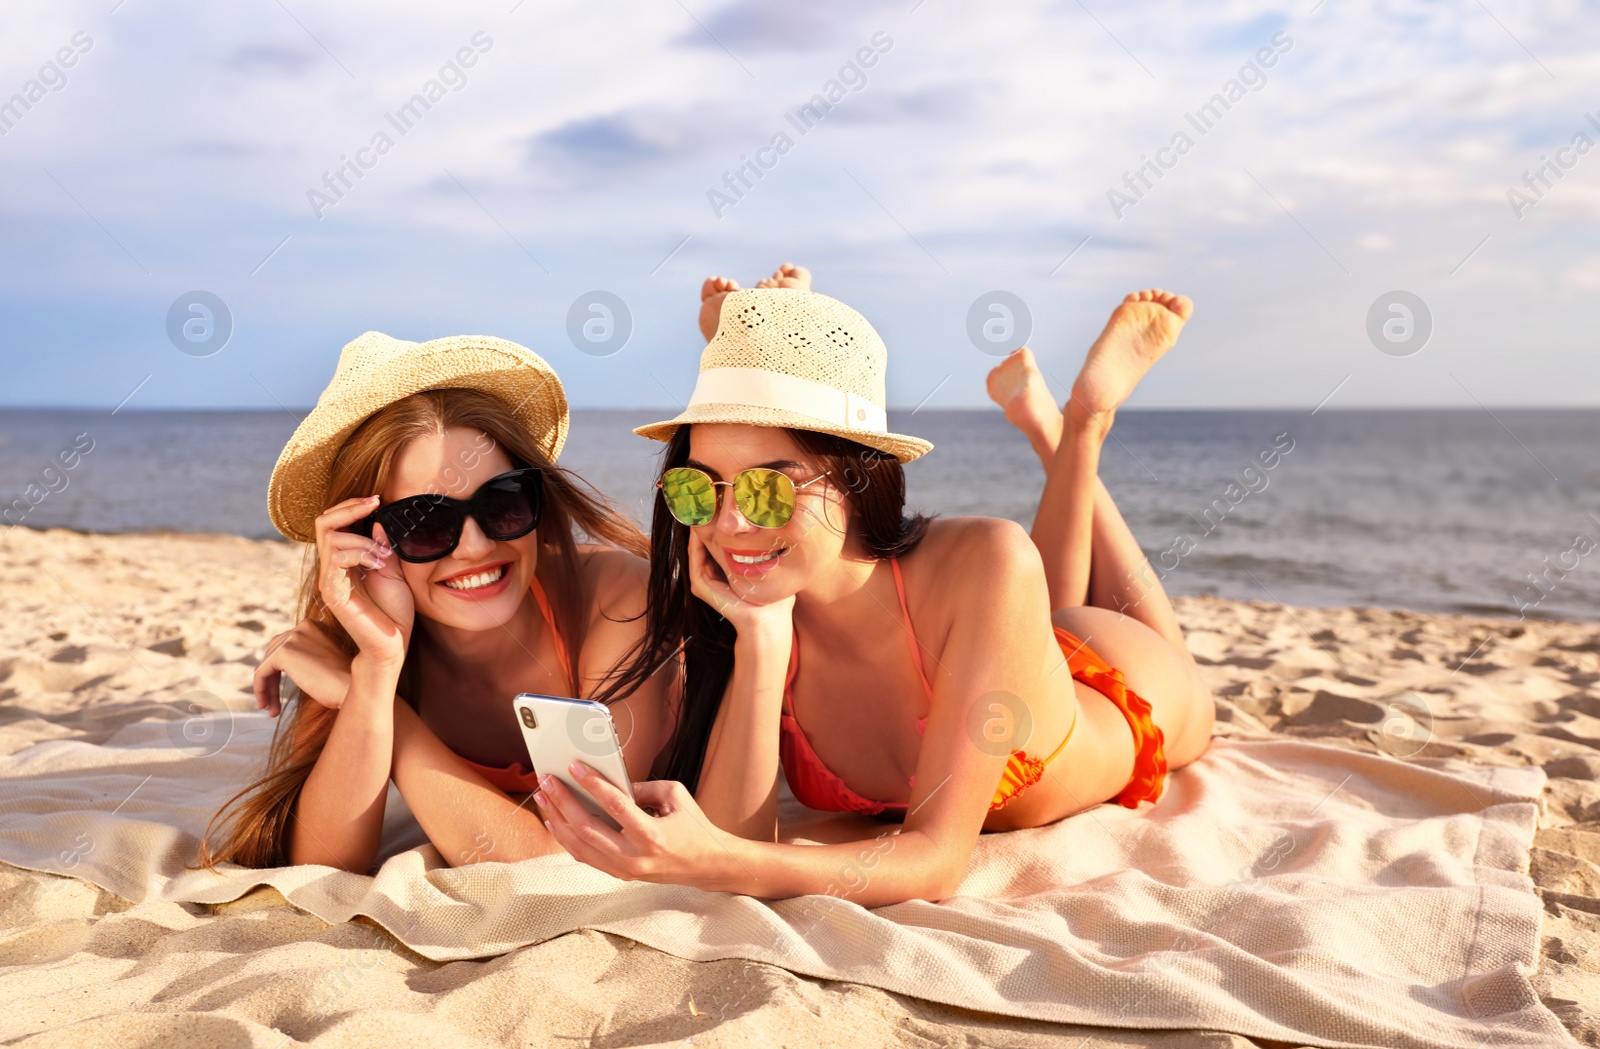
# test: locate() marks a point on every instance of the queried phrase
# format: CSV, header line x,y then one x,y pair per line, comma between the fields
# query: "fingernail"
x,y
576,768
538,798
546,781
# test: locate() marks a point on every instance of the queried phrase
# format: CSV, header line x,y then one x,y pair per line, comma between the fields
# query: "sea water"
x,y
1456,511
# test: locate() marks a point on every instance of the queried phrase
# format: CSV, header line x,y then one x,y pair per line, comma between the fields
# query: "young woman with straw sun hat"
x,y
951,674
445,576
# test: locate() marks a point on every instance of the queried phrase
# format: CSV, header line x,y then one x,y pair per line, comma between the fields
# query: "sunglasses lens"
x,y
765,497
507,507
690,495
423,530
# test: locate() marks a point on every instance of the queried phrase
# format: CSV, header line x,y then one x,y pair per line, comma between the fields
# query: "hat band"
x,y
760,388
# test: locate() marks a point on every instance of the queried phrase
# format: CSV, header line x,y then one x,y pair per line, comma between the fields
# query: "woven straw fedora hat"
x,y
786,357
376,370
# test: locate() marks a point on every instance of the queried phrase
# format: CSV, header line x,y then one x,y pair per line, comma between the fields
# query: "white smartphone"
x,y
559,731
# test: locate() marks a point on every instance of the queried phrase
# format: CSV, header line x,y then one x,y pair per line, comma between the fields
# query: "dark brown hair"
x,y
252,827
874,484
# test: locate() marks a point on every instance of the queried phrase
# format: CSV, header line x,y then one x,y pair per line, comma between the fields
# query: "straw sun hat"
x,y
786,357
376,370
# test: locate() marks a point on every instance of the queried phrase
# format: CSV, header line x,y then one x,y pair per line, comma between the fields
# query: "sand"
x,y
100,631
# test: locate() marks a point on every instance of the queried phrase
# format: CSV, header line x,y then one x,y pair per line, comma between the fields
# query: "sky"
x,y
1357,174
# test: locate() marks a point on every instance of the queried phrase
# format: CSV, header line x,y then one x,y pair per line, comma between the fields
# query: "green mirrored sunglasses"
x,y
765,497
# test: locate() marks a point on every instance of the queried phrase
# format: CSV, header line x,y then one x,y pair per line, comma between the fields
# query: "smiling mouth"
x,y
477,580
755,559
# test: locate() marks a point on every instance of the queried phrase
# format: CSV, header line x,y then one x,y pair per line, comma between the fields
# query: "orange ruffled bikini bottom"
x,y
1150,759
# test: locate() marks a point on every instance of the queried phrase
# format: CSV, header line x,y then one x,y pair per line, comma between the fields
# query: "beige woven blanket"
x,y
1282,890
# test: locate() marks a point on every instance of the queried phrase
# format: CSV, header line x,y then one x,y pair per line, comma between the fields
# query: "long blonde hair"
x,y
252,827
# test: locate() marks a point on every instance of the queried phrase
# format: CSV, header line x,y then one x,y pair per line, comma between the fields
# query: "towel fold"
x,y
1281,889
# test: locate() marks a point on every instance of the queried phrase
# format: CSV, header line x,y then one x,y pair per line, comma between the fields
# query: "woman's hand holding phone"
x,y
673,842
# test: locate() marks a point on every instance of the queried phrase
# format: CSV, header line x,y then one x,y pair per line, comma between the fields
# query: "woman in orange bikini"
x,y
951,674
447,578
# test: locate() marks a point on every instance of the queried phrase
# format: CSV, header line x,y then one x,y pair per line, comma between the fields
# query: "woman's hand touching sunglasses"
x,y
425,528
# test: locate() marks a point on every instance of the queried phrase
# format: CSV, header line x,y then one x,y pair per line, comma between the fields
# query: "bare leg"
x,y
1090,555
1102,587
1121,578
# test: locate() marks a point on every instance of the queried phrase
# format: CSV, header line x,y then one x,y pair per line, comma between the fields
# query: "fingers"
x,y
389,567
266,684
581,847
704,568
697,556
334,545
553,796
612,799
699,580
345,514
348,550
710,583
663,795
563,806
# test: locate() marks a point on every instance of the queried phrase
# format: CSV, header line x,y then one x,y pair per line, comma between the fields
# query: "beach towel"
x,y
1302,892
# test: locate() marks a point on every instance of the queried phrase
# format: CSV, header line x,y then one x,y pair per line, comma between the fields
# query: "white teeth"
x,y
477,580
759,559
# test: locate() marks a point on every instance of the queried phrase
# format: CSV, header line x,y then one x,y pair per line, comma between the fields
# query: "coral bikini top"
x,y
813,783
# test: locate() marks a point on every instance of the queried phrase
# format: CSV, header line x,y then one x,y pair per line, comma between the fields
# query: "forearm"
x,y
465,817
338,818
1063,528
874,872
738,789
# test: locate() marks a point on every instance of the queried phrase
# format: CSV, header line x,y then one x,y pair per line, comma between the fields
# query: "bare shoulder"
x,y
976,570
984,546
617,579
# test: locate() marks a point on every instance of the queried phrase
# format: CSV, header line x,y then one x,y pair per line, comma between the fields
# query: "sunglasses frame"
x,y
393,516
717,505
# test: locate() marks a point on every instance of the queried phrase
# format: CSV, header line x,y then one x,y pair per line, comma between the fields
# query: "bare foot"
x,y
1017,385
712,292
1142,328
788,276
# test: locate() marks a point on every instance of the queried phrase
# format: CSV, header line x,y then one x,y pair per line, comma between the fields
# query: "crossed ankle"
x,y
1081,421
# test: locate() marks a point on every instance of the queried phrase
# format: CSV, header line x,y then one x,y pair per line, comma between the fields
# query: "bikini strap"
x,y
911,634
555,634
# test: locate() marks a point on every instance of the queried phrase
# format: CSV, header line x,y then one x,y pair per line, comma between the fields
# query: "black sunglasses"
x,y
425,528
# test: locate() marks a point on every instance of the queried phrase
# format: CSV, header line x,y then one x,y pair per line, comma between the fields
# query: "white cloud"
x,y
977,153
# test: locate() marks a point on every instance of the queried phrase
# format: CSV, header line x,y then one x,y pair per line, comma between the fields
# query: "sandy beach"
x,y
102,631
